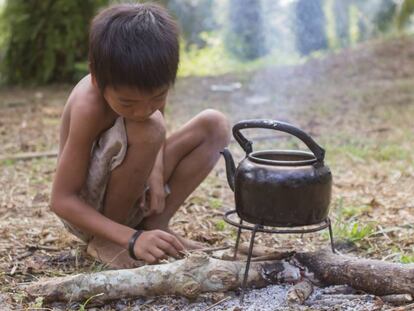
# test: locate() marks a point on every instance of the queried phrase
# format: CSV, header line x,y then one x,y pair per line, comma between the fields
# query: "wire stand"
x,y
260,228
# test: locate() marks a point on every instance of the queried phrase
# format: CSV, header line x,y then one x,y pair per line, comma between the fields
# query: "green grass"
x,y
7,162
214,59
354,211
346,225
364,151
82,307
220,225
215,203
97,267
407,258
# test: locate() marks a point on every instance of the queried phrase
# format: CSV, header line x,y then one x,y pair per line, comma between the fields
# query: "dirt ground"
x,y
358,104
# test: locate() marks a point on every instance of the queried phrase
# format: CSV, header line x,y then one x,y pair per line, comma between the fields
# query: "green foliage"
x,y
194,18
215,203
359,231
45,38
346,225
407,258
220,225
353,231
38,303
405,12
384,18
82,306
214,59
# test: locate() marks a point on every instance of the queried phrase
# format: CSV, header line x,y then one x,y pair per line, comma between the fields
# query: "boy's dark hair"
x,y
134,45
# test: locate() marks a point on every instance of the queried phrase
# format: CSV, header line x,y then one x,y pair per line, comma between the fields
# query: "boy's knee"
x,y
149,132
216,126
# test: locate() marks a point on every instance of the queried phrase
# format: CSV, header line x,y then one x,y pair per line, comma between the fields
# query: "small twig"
x,y
212,249
217,303
409,307
205,250
29,155
24,255
45,247
274,256
13,270
397,299
344,297
338,289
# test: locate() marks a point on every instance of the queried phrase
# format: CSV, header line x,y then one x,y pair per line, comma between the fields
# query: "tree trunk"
x,y
198,273
310,26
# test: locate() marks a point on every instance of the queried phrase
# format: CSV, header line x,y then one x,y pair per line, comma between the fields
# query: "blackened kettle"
x,y
283,188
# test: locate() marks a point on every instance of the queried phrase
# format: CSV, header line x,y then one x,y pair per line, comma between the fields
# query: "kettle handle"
x,y
246,144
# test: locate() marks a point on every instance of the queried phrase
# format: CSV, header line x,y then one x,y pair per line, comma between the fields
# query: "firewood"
x,y
372,276
300,292
188,277
258,250
199,273
397,299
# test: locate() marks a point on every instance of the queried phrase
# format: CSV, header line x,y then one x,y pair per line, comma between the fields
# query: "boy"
x,y
116,171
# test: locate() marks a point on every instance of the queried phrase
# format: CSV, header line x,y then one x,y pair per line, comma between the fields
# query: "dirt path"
x,y
358,104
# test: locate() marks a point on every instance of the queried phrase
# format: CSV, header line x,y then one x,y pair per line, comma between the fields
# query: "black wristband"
x,y
131,244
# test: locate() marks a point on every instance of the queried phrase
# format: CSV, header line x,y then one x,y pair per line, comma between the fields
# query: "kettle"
x,y
283,188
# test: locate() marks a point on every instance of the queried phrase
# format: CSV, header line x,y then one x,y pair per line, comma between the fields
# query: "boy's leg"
x,y
190,154
127,183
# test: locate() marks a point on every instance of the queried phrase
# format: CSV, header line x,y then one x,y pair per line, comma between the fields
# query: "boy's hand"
x,y
153,245
156,194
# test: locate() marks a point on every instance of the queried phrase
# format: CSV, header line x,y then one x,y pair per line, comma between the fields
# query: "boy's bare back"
x,y
87,106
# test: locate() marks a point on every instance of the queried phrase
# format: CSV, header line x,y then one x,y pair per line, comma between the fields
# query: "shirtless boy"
x,y
119,179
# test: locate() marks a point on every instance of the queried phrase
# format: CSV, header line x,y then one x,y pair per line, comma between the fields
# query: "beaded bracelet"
x,y
131,244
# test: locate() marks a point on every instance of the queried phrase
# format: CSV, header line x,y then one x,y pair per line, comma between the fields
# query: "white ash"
x,y
270,298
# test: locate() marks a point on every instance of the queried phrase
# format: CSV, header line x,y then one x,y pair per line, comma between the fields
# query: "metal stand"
x,y
260,228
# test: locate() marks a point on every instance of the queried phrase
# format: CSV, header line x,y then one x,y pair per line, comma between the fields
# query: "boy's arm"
x,y
71,174
156,181
156,184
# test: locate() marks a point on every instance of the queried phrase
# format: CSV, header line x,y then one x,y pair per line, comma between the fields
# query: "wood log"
x,y
397,299
198,273
299,293
372,276
188,277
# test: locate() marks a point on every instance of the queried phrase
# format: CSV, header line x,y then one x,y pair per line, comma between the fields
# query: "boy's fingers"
x,y
168,248
148,258
157,252
170,238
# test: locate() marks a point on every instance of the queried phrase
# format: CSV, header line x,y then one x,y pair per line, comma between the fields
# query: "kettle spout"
x,y
230,167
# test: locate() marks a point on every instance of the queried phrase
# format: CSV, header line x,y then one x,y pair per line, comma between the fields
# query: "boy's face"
x,y
134,104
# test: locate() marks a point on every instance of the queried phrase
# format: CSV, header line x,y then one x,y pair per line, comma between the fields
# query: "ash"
x,y
271,298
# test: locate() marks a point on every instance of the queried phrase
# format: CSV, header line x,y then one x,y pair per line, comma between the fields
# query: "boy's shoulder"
x,y
85,98
86,103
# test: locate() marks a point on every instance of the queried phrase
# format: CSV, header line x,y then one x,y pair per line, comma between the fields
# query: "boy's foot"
x,y
111,254
188,243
